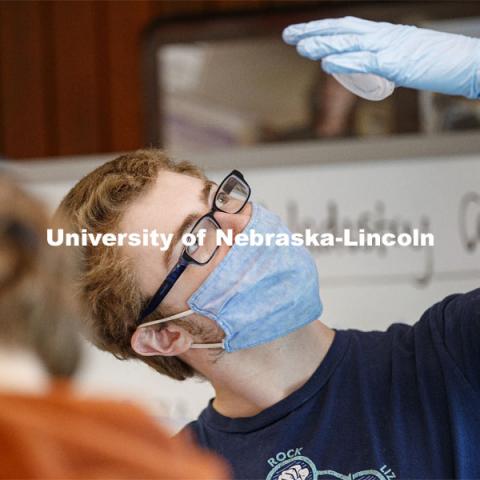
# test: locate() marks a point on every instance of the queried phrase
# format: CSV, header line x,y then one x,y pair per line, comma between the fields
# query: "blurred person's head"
x,y
37,308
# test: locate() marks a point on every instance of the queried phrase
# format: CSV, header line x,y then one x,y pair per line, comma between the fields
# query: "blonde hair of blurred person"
x,y
38,332
47,431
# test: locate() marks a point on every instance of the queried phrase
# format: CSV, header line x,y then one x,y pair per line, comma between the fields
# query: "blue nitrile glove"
x,y
409,56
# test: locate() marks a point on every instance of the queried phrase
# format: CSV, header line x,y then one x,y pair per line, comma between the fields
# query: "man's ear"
x,y
169,341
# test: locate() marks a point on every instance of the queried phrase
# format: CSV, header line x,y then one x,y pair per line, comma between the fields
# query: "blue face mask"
x,y
258,293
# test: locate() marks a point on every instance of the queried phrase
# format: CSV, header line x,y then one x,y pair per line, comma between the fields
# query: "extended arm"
x,y
409,56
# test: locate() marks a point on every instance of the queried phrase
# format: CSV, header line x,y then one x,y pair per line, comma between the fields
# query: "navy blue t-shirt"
x,y
403,404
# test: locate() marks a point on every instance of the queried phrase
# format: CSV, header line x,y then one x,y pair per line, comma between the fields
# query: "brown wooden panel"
x,y
229,6
76,77
182,7
104,78
24,122
124,24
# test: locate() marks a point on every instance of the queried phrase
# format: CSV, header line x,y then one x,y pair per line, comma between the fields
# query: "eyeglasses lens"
x,y
230,198
205,232
232,195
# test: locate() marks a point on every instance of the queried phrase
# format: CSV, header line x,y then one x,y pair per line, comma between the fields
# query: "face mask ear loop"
x,y
208,345
167,319
181,315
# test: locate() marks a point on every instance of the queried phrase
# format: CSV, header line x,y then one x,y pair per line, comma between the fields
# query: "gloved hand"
x,y
409,56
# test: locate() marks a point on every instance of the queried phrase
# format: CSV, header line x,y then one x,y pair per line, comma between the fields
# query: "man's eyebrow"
x,y
206,190
189,219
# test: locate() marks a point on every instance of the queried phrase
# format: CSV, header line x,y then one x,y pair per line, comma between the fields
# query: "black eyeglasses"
x,y
231,196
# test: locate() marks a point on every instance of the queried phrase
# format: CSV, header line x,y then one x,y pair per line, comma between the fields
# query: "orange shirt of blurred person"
x,y
56,435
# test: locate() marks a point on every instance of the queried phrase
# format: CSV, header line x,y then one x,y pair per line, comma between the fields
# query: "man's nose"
x,y
234,221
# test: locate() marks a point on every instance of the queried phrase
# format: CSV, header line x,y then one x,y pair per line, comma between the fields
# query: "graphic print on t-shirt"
x,y
299,467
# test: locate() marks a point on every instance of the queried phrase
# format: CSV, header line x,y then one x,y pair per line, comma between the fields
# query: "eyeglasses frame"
x,y
185,259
